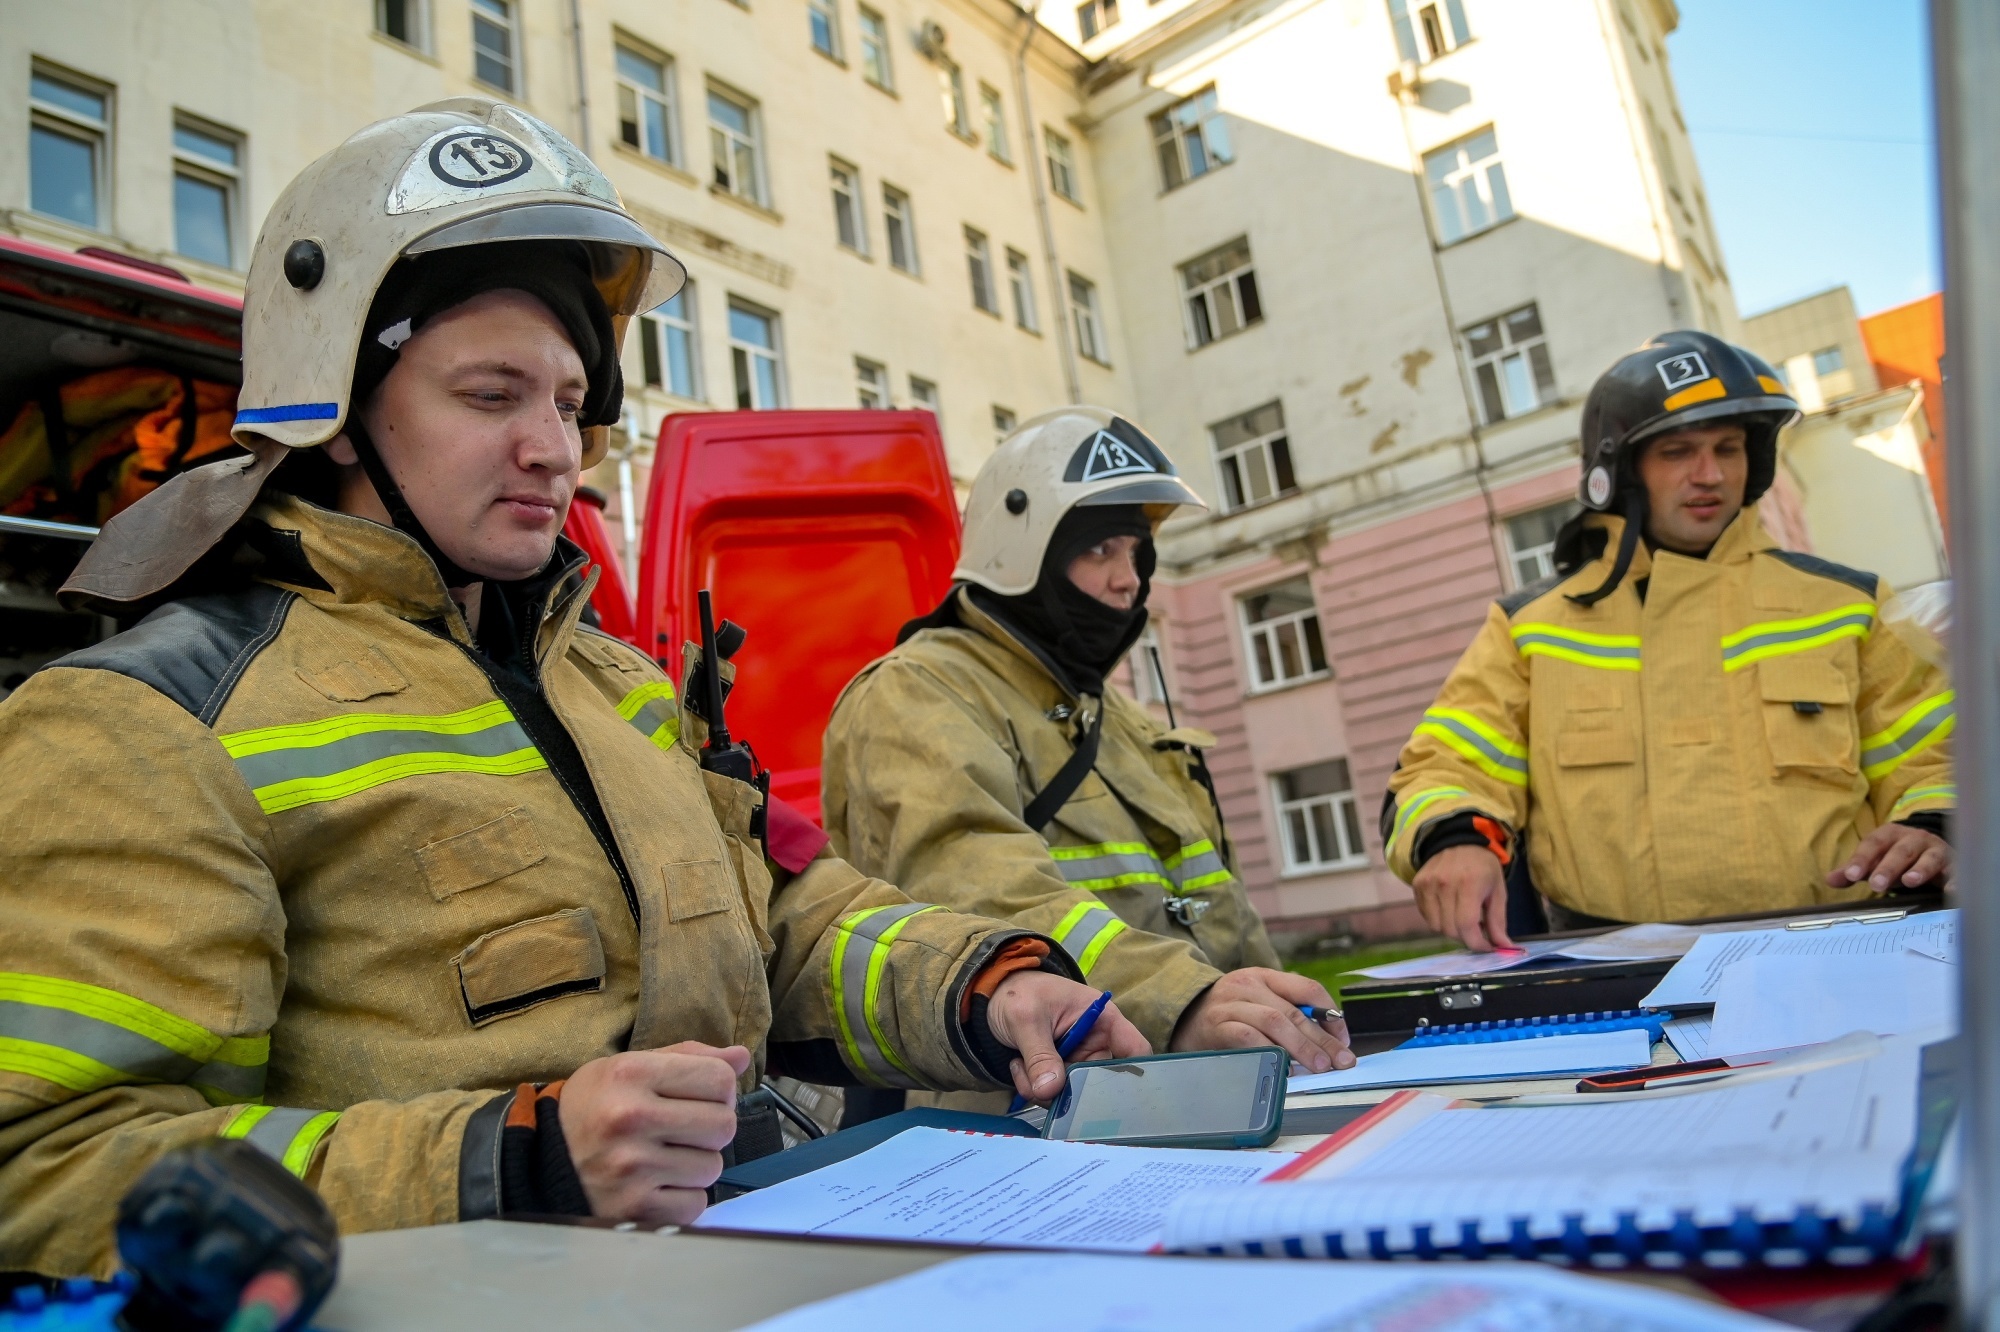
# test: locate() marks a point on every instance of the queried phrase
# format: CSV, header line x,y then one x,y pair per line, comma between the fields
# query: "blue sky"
x,y
1812,120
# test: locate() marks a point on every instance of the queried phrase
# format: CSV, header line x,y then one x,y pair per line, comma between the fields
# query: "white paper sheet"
x,y
1774,1001
1538,1056
941,1187
1634,943
1690,1037
1018,1292
1696,977
1461,963
1833,1137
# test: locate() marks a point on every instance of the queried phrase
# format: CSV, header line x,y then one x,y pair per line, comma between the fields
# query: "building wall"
x,y
1907,343
1792,336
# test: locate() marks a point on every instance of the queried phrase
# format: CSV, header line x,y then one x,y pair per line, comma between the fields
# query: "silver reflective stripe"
x,y
136,1056
656,713
273,1134
1499,756
338,756
1204,865
862,943
1084,935
1916,737
1605,651
1744,646
1110,865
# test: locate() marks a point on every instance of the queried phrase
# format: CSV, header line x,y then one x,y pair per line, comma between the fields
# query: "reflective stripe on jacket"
x,y
931,756
1713,748
281,865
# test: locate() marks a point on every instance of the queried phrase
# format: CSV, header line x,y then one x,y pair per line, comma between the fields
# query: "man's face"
x,y
1694,481
1109,571
477,423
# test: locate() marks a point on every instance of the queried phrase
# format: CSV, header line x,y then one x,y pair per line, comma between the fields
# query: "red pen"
x,y
1654,1075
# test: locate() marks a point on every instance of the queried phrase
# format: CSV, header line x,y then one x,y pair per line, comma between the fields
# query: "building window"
x,y
495,45
874,47
900,226
1088,320
824,18
951,87
1531,541
667,345
871,384
1003,423
1468,187
1094,16
754,355
733,140
1827,360
404,21
924,395
1281,631
1322,827
1062,167
1148,662
1440,27
1191,139
1221,290
1253,457
995,113
646,105
68,136
1021,283
848,222
1510,363
208,187
979,267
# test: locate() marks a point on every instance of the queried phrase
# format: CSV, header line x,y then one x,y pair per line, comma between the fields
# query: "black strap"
x,y
1063,785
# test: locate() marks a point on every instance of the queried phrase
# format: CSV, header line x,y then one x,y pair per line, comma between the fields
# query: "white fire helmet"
x,y
1046,467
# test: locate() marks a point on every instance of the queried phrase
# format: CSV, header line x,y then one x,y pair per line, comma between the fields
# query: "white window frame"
x,y
1094,17
1004,421
1270,634
1191,139
850,207
1145,684
1500,375
1063,177
1833,353
1542,555
416,17
744,356
871,385
1343,821
979,271
1222,304
654,328
1457,182
641,98
951,97
994,111
54,118
924,395
508,20
727,145
829,11
876,65
899,218
1268,454
1021,282
1087,319
1441,24
226,176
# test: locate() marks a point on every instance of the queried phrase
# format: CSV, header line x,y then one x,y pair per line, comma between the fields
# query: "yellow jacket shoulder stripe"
x,y
1605,652
85,1038
1774,638
1493,752
650,708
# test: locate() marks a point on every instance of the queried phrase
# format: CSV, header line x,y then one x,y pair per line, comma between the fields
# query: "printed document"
x,y
1775,1001
1635,943
1019,1292
1488,1061
1696,978
1461,963
936,1186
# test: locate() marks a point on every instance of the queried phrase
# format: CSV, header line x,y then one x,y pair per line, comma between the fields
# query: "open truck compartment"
x,y
136,369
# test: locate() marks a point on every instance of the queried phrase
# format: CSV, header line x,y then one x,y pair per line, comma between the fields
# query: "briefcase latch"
x,y
1455,997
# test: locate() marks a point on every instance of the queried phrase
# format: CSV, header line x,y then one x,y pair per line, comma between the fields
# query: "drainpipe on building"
x,y
582,86
1059,311
628,517
1405,88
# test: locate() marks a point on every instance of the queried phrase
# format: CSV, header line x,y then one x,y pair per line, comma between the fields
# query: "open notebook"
x,y
1783,1168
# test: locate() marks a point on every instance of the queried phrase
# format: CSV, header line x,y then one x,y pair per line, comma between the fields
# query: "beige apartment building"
x,y
1355,263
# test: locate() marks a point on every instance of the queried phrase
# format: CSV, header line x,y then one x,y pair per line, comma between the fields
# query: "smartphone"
x,y
1209,1098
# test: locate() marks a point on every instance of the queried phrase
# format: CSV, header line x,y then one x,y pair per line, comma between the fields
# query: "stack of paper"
x,y
1697,978
1535,1057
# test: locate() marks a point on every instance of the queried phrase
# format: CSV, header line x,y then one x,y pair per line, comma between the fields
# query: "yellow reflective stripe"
x,y
1773,638
1915,731
298,1157
1421,802
1492,752
1706,390
1948,791
282,1133
52,1063
1070,918
878,961
244,1051
1203,847
661,724
1095,948
309,735
120,1010
1100,849
243,1121
281,796
1604,652
836,967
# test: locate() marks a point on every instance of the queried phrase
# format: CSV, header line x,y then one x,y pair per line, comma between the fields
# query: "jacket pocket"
x,y
481,855
1594,731
1808,714
698,888
520,966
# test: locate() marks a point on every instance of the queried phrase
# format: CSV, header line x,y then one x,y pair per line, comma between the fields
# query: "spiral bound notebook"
x,y
1825,1164
1650,1020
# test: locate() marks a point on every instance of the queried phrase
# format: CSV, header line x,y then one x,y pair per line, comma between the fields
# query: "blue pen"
x,y
1314,1014
1074,1037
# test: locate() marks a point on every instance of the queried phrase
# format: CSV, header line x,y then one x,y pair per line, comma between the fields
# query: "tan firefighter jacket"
x,y
934,751
1711,749
284,865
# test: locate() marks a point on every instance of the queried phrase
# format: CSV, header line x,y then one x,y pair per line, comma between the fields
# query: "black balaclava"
x,y
1083,636
418,289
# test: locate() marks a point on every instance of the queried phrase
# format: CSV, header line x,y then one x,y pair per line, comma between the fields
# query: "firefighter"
x,y
1686,720
359,847
987,764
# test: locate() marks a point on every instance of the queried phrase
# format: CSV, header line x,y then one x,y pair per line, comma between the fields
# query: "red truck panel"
x,y
820,533
611,600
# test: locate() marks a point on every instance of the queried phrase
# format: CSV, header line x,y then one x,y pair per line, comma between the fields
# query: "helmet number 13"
x,y
477,160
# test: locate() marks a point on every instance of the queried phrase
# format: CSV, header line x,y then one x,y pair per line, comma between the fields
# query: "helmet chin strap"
x,y
400,514
1628,545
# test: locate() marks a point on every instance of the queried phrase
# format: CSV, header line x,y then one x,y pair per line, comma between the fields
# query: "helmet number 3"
x,y
475,159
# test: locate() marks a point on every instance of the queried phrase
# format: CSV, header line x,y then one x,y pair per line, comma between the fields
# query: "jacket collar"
x,y
1026,654
1745,536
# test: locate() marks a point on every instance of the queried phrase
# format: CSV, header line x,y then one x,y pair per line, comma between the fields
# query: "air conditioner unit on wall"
x,y
930,39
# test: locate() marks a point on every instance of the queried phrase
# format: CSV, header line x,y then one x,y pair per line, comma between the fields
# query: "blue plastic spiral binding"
x,y
1652,1020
